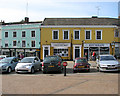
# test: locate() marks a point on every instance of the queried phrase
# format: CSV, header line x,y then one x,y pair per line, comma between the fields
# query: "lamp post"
x,y
112,44
83,41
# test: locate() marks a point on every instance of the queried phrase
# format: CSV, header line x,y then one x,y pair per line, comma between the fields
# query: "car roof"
x,y
29,57
10,57
106,55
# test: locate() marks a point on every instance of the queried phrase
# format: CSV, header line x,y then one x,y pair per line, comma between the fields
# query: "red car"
x,y
81,64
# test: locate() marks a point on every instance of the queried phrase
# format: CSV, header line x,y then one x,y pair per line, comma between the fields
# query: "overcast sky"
x,y
16,10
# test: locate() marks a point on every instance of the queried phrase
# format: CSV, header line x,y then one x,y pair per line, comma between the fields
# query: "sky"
x,y
37,10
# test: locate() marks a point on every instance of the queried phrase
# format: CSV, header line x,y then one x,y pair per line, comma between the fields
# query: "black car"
x,y
52,63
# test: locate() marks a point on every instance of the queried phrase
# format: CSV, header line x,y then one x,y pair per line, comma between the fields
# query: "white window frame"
x,y
31,33
53,35
74,34
96,34
90,35
63,34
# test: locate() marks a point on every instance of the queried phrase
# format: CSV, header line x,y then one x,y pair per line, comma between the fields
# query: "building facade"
x,y
21,37
73,37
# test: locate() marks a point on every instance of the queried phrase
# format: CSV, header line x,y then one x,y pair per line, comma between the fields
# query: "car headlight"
x,y
103,65
4,66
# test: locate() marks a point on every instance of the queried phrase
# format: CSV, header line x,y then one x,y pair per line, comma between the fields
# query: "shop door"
x,y
46,52
86,54
77,53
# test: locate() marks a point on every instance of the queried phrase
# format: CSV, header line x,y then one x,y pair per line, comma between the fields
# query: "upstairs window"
x,y
32,33
23,44
77,35
6,34
88,35
116,33
14,43
14,34
66,35
23,34
98,35
55,34
33,43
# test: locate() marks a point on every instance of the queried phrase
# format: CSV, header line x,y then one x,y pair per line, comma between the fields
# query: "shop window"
x,y
55,35
98,35
32,33
87,34
14,34
6,34
23,34
61,52
76,34
104,50
65,35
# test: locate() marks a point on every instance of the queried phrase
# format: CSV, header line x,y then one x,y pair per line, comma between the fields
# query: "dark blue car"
x,y
8,64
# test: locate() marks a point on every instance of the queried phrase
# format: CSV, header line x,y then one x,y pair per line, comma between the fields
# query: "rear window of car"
x,y
52,59
80,60
103,58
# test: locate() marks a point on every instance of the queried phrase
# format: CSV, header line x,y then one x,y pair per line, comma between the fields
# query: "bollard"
x,y
64,64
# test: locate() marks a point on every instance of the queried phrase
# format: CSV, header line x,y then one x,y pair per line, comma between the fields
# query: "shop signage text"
x,y
96,45
60,44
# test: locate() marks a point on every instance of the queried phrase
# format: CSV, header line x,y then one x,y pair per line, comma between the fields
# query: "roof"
x,y
80,21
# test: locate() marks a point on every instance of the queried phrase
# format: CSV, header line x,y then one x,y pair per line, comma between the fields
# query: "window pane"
x,y
77,35
55,34
23,44
6,34
87,34
14,34
32,33
33,43
23,33
65,34
98,34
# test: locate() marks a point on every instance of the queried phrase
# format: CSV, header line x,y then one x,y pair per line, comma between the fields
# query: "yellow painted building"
x,y
73,37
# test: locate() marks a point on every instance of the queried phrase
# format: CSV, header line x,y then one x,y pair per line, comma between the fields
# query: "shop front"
x,y
61,49
98,48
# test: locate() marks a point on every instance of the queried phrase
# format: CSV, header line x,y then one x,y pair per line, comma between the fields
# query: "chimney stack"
x,y
26,19
119,9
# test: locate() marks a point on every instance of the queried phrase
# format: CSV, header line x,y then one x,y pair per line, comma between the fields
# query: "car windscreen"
x,y
103,58
5,60
51,59
27,60
80,60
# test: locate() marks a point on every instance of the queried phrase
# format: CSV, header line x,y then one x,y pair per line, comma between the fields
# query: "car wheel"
x,y
9,70
32,70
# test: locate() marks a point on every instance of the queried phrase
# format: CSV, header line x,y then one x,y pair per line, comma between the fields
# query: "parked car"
x,y
107,63
28,64
8,64
52,63
3,56
81,64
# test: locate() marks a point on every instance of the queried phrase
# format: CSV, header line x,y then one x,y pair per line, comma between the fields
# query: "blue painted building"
x,y
21,37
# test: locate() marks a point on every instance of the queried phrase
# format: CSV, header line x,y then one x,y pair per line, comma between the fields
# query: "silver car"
x,y
28,64
107,63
